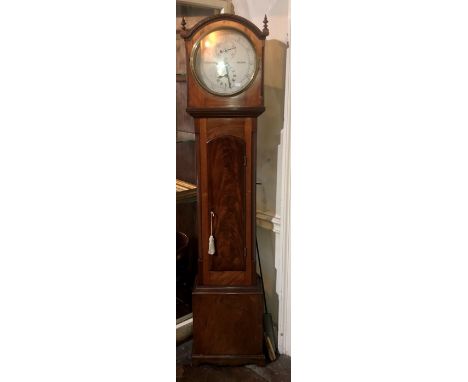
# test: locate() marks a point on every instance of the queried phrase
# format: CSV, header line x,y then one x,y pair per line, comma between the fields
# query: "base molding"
x,y
228,360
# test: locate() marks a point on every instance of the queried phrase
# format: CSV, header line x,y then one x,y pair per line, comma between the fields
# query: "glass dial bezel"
x,y
195,48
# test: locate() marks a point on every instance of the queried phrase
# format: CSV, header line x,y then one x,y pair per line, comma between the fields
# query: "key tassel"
x,y
211,242
211,246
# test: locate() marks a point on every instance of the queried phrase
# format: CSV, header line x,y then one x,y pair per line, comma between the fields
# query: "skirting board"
x,y
184,327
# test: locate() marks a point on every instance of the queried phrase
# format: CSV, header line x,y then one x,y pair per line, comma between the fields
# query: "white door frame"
x,y
282,245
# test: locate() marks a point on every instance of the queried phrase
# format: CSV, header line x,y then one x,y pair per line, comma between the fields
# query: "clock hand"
x,y
229,81
227,75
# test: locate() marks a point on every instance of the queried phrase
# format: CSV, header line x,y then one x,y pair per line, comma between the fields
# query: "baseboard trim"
x,y
269,221
184,329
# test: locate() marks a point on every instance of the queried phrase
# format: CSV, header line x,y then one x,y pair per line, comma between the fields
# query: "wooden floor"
x,y
278,371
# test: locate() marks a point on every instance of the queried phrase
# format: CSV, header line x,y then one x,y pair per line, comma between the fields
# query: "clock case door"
x,y
226,183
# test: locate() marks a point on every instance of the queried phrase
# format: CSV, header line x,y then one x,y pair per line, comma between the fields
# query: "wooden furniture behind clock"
x,y
225,97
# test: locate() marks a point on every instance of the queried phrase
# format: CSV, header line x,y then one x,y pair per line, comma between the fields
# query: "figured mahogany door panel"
x,y
226,198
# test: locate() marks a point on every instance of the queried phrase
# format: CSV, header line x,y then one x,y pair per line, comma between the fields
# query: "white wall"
x,y
277,12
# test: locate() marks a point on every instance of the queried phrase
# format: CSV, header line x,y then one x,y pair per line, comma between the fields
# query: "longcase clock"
x,y
225,96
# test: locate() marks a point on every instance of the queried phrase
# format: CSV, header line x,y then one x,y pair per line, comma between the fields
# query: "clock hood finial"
x,y
183,23
265,31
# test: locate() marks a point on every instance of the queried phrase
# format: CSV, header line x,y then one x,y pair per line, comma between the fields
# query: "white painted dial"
x,y
224,62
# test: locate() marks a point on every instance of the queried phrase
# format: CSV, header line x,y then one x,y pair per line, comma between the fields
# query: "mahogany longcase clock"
x,y
225,96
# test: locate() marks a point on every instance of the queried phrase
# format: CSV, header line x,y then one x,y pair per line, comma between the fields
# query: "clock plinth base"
x,y
228,360
228,325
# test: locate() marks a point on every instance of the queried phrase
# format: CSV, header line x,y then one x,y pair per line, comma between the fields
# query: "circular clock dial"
x,y
224,62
